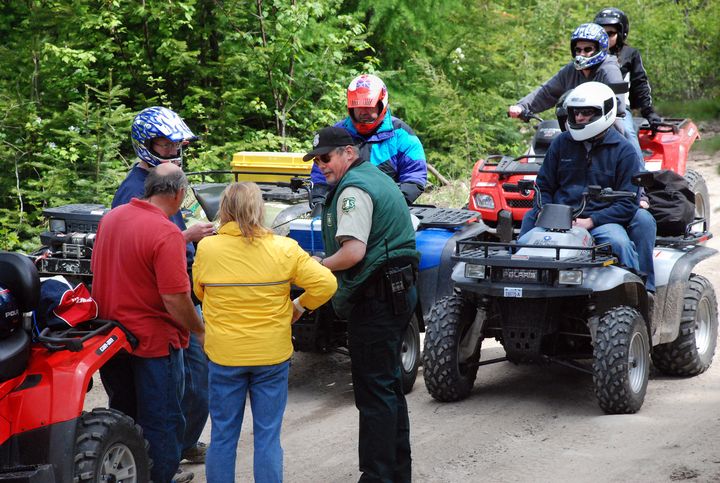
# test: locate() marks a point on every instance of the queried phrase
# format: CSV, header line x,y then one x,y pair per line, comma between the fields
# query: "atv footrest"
x,y
432,217
28,474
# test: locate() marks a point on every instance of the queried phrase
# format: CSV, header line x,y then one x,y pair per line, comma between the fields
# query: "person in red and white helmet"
x,y
384,140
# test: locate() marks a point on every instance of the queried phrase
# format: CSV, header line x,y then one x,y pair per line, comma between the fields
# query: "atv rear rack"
x,y
504,254
508,165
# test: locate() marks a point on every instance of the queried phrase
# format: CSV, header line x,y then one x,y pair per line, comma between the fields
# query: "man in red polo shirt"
x,y
140,279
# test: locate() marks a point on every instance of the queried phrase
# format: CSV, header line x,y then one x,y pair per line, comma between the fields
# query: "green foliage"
x,y
263,75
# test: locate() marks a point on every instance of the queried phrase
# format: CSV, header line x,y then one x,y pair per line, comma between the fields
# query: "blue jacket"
x,y
394,149
133,186
569,168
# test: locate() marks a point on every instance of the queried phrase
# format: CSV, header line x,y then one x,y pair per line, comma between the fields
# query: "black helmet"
x,y
616,17
9,313
561,111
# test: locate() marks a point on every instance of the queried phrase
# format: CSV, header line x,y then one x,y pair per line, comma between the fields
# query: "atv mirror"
x,y
644,179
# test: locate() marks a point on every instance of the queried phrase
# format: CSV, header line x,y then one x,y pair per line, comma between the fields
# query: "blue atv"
x,y
437,233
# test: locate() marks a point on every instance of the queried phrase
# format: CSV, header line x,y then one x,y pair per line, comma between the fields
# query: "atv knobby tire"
x,y
110,447
621,365
698,186
447,378
691,353
410,355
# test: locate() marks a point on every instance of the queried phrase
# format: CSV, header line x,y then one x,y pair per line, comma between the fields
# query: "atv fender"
x,y
669,305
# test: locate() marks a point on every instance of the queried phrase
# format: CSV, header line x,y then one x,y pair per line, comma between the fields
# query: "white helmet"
x,y
598,97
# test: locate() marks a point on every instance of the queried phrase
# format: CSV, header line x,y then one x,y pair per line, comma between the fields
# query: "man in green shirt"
x,y
370,245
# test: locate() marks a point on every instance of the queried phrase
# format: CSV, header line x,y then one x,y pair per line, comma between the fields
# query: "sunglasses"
x,y
323,158
585,112
586,50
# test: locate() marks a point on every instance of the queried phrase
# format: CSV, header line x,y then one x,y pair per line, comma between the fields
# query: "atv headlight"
x,y
57,225
474,271
484,201
570,277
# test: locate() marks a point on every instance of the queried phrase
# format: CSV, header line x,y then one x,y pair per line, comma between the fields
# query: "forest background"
x,y
263,75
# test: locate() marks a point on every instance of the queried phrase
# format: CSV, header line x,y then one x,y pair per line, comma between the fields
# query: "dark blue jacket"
x,y
569,168
394,149
133,186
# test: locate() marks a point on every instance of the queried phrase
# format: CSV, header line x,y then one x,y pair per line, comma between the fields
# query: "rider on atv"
x,y
384,140
590,153
591,62
617,26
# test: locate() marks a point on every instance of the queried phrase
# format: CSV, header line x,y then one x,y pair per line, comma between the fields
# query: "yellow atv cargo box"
x,y
269,167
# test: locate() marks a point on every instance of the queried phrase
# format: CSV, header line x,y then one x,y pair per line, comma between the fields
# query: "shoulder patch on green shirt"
x,y
348,204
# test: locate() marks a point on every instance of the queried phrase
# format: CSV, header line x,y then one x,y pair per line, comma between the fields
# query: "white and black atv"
x,y
561,298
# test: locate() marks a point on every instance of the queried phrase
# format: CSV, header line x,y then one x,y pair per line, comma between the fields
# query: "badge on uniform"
x,y
348,204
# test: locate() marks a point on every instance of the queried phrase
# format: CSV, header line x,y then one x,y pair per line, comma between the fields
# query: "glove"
x,y
653,118
318,193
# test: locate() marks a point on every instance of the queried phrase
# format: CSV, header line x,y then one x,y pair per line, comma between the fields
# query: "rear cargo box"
x,y
269,167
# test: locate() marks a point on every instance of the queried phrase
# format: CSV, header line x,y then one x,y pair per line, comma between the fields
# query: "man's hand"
x,y
586,223
295,315
515,111
198,231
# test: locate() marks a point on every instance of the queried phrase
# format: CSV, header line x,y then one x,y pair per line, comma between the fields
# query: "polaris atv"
x,y
665,146
45,436
561,298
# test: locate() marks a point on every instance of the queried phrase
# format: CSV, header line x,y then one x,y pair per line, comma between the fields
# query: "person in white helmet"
x,y
591,153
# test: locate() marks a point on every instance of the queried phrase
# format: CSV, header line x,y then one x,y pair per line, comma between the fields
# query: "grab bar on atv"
x,y
74,338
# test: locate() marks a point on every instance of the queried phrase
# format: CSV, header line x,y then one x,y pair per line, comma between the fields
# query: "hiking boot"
x,y
196,454
182,476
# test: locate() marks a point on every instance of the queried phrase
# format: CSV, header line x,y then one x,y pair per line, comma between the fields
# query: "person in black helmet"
x,y
617,26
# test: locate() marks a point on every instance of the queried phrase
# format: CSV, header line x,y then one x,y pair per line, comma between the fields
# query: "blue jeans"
x,y
642,231
159,387
195,399
611,233
632,135
229,386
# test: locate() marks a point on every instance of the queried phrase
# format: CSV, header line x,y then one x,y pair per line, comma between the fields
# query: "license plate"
x,y
520,275
513,292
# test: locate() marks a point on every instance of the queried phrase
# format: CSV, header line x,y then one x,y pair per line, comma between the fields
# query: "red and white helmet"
x,y
367,90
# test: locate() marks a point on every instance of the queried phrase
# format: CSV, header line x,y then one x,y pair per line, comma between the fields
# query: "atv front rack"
x,y
504,254
432,217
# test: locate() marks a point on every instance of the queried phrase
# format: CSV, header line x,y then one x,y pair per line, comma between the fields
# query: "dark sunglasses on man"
x,y
586,50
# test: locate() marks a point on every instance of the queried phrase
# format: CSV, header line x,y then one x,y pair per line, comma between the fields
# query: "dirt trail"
x,y
520,424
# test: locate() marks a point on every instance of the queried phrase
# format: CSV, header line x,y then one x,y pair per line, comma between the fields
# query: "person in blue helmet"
x,y
591,62
617,27
384,140
158,136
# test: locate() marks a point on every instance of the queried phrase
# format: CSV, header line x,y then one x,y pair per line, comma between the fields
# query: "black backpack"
x,y
672,203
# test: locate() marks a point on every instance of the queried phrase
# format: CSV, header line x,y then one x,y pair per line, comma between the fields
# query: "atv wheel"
x,y
410,355
692,352
447,376
110,447
702,199
621,365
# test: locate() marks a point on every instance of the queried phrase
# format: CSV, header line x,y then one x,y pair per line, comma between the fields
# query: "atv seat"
x,y
19,275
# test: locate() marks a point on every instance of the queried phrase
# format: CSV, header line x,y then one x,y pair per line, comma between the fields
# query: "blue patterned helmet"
x,y
590,32
158,122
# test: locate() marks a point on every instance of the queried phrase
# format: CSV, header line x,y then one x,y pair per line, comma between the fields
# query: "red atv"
x,y
665,146
45,436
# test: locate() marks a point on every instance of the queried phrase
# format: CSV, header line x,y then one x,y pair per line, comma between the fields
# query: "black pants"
x,y
375,336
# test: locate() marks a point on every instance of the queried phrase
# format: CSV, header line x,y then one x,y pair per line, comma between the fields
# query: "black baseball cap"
x,y
327,139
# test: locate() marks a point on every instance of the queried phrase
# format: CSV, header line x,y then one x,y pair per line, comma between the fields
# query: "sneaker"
x,y
196,454
182,476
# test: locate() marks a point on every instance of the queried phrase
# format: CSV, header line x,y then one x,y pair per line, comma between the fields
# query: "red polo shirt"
x,y
139,254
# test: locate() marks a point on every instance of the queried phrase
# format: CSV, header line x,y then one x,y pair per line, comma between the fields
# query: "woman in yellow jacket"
x,y
243,276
